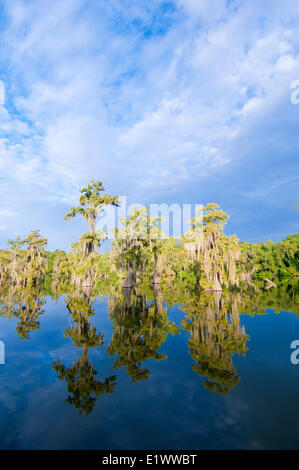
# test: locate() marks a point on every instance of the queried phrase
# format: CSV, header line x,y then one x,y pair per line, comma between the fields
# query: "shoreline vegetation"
x,y
204,255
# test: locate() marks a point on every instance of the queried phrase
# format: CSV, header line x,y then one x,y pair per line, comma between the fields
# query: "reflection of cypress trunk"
x,y
217,296
87,285
128,282
127,293
158,298
84,356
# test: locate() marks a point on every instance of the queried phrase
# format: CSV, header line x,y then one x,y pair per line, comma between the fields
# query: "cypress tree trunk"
x,y
91,224
217,286
156,279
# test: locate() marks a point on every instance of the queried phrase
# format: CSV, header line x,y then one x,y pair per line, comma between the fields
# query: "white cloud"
x,y
8,213
137,97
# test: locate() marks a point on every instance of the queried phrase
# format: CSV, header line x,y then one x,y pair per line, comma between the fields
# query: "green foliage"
x,y
54,258
27,260
139,244
88,242
91,204
82,384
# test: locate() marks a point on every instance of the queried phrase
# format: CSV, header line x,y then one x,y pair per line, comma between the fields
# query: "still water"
x,y
125,371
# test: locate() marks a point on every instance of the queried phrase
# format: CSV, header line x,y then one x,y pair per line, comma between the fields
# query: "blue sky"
x,y
186,101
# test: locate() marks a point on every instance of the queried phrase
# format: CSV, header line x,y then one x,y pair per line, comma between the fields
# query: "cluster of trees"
x,y
143,269
272,259
203,255
25,263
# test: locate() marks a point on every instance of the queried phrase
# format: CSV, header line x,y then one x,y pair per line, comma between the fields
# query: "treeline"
x,y
271,259
203,256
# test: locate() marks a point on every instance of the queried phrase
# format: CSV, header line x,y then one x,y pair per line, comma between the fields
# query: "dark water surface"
x,y
150,394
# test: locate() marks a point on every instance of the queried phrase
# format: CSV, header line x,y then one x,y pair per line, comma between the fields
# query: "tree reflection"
x,y
216,335
141,325
140,328
26,305
82,384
